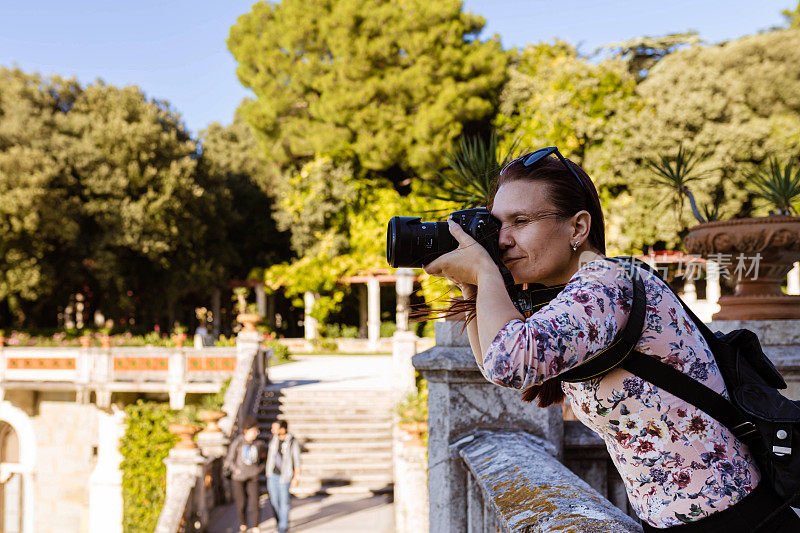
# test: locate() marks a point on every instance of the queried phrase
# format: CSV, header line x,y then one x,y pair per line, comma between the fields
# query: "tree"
x,y
389,83
232,159
733,104
104,192
642,53
554,97
793,17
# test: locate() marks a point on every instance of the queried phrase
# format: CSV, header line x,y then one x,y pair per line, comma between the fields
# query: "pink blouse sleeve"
x,y
581,321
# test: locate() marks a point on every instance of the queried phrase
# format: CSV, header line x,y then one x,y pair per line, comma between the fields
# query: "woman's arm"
x,y
494,308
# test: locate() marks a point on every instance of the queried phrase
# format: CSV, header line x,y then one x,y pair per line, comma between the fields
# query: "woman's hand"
x,y
463,265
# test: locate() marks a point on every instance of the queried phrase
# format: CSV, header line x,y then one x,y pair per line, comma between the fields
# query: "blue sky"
x,y
175,50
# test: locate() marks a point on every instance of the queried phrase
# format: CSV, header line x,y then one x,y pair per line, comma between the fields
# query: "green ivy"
x,y
144,447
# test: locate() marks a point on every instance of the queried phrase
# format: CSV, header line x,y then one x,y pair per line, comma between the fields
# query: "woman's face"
x,y
535,244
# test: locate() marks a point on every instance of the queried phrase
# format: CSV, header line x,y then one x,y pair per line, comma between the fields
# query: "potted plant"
x,y
184,426
413,413
768,246
211,412
247,316
179,334
84,339
2,338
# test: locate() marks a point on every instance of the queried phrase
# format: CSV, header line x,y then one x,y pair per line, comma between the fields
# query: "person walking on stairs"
x,y
283,471
243,464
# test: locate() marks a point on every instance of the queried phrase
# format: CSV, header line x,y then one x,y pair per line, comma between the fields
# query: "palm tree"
x,y
778,186
473,165
676,173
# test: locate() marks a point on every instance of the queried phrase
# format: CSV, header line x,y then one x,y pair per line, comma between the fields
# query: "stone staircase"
x,y
345,436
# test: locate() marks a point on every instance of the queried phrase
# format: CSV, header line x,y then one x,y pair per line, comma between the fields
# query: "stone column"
x,y
105,482
713,290
216,311
373,313
261,299
404,287
793,280
177,376
460,400
362,310
310,323
184,467
689,291
410,494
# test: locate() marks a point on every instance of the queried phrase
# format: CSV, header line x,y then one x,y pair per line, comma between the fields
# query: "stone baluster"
x,y
460,400
105,482
177,376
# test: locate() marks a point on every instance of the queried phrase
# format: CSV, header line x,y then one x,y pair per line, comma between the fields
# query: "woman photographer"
x,y
683,470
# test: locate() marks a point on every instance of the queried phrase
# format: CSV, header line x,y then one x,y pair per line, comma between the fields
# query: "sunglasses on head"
x,y
534,157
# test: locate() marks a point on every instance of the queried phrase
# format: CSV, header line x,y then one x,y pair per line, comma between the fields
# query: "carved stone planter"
x,y
211,418
248,320
772,243
186,433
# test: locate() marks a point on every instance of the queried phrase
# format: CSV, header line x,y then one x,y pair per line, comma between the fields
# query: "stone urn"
x,y
186,433
248,321
767,247
211,418
179,339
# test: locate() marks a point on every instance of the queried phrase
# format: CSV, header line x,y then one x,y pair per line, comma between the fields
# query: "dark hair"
x,y
568,198
282,423
249,422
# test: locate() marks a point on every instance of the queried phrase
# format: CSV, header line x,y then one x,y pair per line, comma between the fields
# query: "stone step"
x,y
346,439
307,428
294,419
358,457
344,409
363,446
332,394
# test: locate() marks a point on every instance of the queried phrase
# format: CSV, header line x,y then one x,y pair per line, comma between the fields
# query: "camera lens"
x,y
410,242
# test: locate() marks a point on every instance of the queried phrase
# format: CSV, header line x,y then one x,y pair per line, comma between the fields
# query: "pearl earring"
x,y
574,246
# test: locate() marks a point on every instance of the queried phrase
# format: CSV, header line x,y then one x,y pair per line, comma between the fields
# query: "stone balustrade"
x,y
120,369
194,475
537,494
461,406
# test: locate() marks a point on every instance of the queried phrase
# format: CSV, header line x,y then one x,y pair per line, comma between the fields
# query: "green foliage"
x,y
339,331
793,17
414,407
103,191
778,186
324,345
736,103
144,447
388,329
555,97
642,53
474,164
391,83
675,174
279,351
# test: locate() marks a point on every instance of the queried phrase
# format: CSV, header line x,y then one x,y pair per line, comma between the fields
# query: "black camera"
x,y
410,242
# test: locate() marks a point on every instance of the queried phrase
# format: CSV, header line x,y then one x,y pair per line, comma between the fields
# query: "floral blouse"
x,y
678,464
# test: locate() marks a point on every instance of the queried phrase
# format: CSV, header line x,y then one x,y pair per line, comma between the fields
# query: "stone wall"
x,y
66,436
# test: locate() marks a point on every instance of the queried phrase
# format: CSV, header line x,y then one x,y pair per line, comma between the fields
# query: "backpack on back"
x,y
757,413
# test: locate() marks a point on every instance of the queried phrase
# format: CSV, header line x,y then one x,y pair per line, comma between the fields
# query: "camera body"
x,y
410,242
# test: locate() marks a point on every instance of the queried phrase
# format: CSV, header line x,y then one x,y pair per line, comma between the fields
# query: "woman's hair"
x,y
568,197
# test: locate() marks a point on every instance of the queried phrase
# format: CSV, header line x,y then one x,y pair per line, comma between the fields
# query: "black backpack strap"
x,y
687,389
624,342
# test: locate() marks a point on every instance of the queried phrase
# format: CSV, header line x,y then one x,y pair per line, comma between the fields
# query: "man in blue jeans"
x,y
283,471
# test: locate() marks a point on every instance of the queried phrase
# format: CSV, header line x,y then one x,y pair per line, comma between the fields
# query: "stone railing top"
x,y
531,491
451,352
770,332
